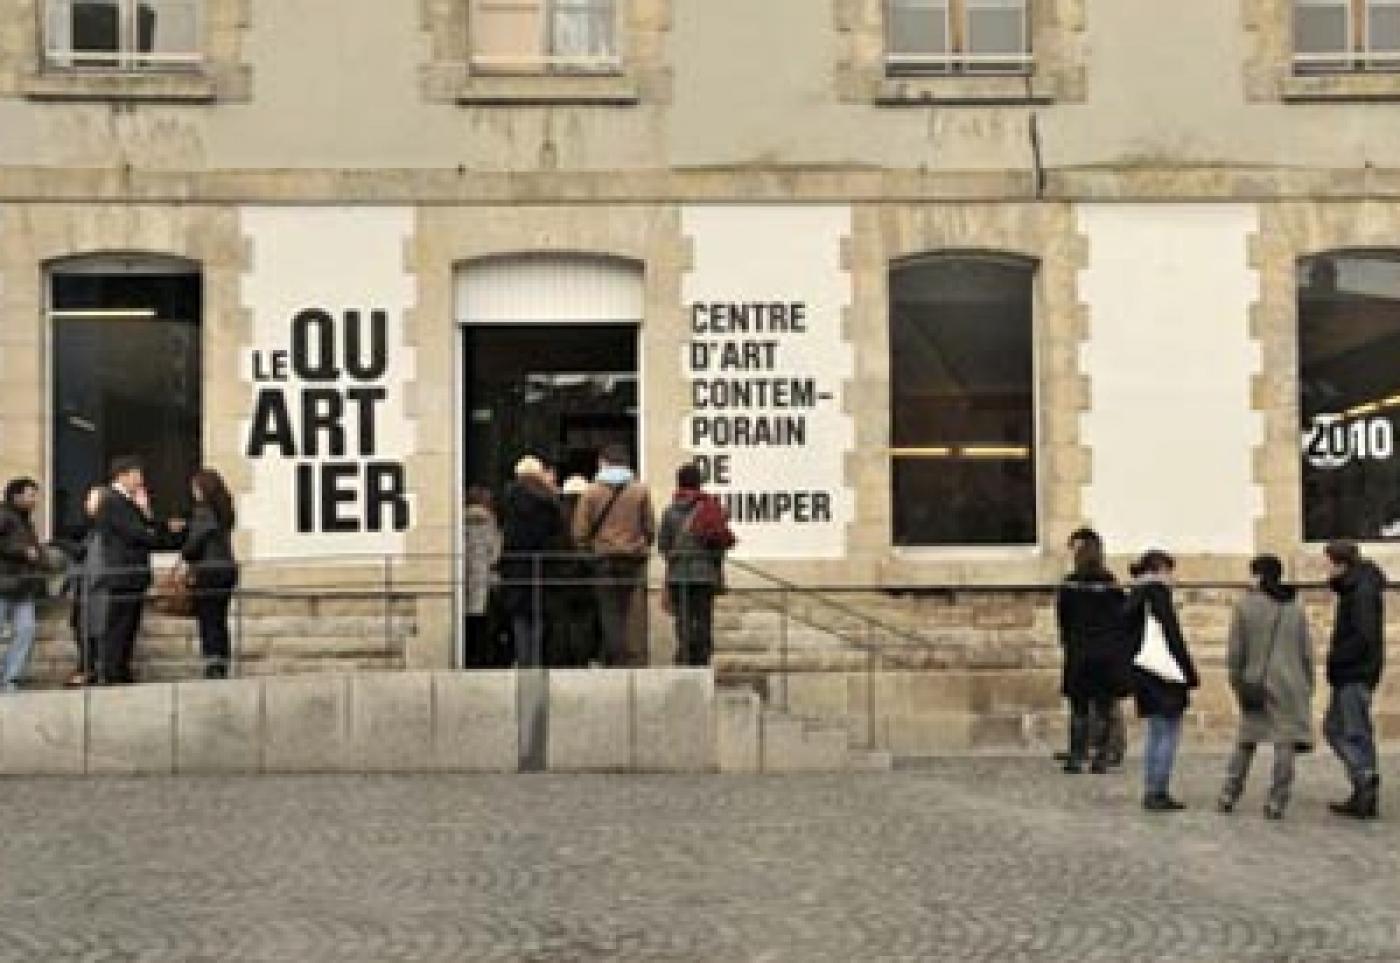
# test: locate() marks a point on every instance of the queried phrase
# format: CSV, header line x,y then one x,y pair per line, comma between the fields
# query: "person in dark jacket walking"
x,y
129,535
533,530
694,536
21,576
208,556
1093,633
1270,654
1355,663
1163,674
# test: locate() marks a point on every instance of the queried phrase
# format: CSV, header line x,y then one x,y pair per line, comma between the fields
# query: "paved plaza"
x,y
957,860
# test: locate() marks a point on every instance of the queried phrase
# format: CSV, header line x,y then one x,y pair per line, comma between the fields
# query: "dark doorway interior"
x,y
126,381
558,391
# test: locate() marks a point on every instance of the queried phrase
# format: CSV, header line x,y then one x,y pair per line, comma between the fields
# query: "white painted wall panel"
x,y
775,254
1170,361
550,289
335,259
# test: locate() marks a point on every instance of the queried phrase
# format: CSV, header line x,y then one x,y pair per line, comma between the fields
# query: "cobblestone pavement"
x,y
959,860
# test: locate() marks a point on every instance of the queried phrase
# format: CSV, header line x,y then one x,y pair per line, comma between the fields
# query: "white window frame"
x,y
1358,55
60,55
544,60
958,60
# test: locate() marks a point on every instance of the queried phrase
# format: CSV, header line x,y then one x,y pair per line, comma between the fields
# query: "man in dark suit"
x,y
129,535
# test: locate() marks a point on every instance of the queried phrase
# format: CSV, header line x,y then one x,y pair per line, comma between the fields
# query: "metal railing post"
x,y
783,647
871,655
388,604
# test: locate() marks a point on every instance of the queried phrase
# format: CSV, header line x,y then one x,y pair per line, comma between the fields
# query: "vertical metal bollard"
x,y
235,656
870,661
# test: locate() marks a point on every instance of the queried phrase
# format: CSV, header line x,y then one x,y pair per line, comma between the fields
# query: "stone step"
x,y
792,745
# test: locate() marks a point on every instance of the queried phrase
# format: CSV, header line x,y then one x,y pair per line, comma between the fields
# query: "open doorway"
x,y
561,392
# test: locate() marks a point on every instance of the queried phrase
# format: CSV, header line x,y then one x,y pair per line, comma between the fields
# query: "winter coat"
x,y
208,550
128,538
1357,653
21,577
1155,696
1273,631
691,557
628,528
1094,635
533,533
88,617
482,548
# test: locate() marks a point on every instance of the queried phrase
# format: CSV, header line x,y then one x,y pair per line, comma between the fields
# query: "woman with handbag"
x,y
1271,673
1163,674
210,567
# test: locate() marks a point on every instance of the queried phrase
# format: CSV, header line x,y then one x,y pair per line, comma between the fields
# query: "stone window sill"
x,y
1358,87
122,86
915,91
616,90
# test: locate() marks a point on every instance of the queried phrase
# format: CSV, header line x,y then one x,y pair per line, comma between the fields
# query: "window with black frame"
x,y
126,380
1349,394
962,368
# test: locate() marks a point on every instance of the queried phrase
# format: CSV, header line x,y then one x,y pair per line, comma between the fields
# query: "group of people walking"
x,y
566,566
1121,643
109,568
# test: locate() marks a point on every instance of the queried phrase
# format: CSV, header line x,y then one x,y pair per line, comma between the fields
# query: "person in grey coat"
x,y
481,542
1269,645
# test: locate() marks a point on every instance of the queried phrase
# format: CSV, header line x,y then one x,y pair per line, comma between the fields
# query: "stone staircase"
x,y
273,635
775,741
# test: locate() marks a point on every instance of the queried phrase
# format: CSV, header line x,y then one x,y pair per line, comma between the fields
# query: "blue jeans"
x,y
1347,727
18,613
1159,755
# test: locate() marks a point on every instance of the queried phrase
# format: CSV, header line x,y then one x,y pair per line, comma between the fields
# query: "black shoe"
x,y
1273,810
1365,803
1161,803
1099,767
1226,802
1074,767
216,670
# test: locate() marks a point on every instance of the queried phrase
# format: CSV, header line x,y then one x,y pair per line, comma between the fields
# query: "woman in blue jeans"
x,y
1163,674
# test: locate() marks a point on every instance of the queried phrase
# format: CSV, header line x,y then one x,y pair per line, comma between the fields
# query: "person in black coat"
x,y
1163,673
21,577
208,556
533,530
1355,663
1093,633
128,535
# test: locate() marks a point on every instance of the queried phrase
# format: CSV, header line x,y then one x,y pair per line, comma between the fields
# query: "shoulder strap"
x,y
597,526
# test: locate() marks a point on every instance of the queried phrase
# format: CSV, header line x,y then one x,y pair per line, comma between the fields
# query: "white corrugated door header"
x,y
549,289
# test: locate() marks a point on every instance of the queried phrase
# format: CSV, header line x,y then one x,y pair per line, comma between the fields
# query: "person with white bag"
x,y
1163,673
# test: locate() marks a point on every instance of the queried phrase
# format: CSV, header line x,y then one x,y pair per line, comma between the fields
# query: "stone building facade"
x,y
792,192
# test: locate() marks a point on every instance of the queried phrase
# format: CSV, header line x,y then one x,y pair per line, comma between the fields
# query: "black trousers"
x,y
1090,728
693,605
119,640
211,612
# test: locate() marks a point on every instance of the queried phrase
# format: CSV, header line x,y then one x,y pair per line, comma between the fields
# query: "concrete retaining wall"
x,y
649,720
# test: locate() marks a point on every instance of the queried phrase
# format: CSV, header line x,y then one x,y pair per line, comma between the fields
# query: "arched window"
x,y
963,400
126,377
1349,386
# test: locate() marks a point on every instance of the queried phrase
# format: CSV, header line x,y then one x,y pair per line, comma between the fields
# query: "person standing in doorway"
x,y
129,535
616,524
1089,610
21,577
1163,673
481,545
1271,673
1355,662
694,536
208,554
532,529
574,619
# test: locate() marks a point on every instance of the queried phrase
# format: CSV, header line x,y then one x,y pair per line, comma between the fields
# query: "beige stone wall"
x,y
34,236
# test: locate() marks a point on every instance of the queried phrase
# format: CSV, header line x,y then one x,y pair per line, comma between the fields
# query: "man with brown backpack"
x,y
616,524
